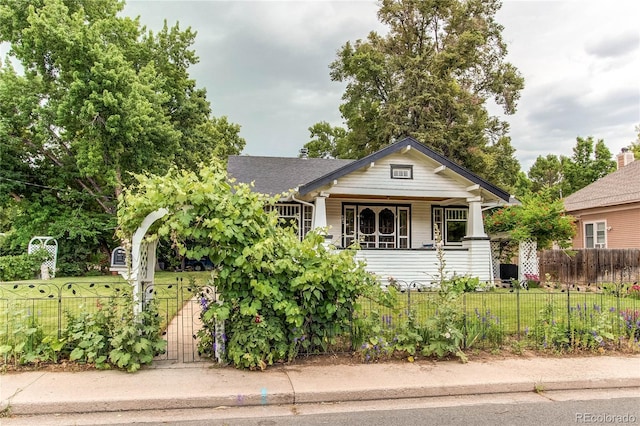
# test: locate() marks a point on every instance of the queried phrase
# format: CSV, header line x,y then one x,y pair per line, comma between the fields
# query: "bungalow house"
x,y
607,211
389,202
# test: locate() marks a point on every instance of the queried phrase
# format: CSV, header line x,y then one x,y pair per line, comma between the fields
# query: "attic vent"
x,y
401,171
304,153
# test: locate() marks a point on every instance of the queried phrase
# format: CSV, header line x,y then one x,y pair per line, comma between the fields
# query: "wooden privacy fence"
x,y
584,266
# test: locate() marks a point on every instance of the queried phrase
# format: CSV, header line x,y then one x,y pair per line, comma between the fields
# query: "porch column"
x,y
475,224
320,217
477,242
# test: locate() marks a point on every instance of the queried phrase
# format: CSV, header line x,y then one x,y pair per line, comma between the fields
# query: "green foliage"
x,y
86,337
486,327
590,161
429,77
547,174
587,327
26,342
21,267
274,289
113,336
92,98
462,284
536,218
445,330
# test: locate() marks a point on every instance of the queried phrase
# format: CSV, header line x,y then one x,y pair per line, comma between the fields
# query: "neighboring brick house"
x,y
390,202
607,212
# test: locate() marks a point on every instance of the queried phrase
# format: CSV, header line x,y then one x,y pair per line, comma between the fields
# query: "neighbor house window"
x,y
376,226
452,223
595,235
399,171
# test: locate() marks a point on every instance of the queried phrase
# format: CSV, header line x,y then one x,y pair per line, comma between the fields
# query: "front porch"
x,y
421,265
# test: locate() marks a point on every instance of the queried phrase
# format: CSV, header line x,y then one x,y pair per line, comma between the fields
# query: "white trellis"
x,y
48,267
141,268
528,259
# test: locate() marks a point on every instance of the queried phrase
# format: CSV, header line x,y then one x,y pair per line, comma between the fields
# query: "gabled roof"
x,y
619,187
403,144
275,175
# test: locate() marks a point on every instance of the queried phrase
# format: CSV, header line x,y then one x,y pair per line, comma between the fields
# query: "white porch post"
x,y
478,243
320,218
475,224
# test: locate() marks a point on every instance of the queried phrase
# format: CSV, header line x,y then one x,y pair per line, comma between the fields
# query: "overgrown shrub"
x,y
114,336
22,266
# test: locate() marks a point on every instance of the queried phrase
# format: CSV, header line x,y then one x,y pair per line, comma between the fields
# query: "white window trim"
x,y
444,219
596,244
405,171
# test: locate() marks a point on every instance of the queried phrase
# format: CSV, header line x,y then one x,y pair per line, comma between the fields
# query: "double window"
x,y
595,235
376,226
452,223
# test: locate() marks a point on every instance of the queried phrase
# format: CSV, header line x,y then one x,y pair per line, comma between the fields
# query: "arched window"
x,y
384,226
387,222
368,228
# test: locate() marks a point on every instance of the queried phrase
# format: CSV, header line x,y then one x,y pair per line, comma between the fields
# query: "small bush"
x,y
22,266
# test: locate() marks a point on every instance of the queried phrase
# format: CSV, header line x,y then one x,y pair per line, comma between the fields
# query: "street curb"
x,y
291,398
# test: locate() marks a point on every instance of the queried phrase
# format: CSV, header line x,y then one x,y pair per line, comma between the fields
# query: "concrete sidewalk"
x,y
206,386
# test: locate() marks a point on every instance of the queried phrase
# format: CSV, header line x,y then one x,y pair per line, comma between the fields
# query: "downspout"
x,y
306,203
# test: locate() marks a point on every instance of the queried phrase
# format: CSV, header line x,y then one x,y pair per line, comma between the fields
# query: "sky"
x,y
265,65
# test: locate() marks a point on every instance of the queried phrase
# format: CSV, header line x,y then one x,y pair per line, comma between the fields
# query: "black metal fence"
x,y
487,317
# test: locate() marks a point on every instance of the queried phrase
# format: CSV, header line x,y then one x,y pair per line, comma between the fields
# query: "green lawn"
x,y
49,301
515,312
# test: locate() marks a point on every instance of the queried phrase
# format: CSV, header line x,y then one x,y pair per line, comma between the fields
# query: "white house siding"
x,y
376,181
408,266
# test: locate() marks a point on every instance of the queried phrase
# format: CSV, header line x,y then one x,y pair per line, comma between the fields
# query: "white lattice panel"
x,y
51,246
528,259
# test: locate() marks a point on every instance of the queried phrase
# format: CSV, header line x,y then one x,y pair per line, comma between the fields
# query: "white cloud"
x,y
265,65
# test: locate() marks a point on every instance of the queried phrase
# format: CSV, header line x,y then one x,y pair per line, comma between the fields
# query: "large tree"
x,y
88,97
430,77
547,173
590,161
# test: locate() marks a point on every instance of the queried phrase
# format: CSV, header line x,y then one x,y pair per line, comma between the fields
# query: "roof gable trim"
x,y
404,146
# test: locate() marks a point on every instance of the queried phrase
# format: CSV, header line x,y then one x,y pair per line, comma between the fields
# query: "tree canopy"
x,y
561,176
88,97
430,77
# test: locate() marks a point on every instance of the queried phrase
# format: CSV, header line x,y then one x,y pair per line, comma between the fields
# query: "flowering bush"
x,y
536,218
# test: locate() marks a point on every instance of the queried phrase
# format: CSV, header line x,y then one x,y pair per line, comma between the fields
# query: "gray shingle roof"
x,y
275,175
619,187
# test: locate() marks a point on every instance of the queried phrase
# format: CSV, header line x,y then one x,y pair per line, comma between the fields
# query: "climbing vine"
x,y
277,294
